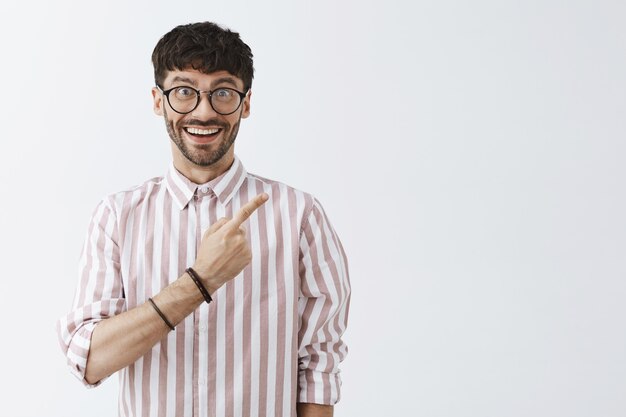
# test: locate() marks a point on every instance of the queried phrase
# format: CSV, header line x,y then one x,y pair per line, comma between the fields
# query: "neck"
x,y
199,174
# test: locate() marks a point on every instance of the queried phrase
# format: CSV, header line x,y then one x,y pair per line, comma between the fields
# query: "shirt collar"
x,y
224,187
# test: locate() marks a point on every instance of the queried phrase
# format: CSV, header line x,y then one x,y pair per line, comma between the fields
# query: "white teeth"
x,y
197,131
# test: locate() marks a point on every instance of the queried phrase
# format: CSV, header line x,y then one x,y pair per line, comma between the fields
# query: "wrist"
x,y
196,280
206,279
187,290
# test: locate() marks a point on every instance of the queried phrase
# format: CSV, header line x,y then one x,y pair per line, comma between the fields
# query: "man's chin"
x,y
204,160
205,157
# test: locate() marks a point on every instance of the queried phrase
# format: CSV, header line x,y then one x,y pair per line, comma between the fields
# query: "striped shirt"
x,y
272,335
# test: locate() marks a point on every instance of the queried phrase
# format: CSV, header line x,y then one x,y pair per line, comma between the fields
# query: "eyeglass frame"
x,y
209,93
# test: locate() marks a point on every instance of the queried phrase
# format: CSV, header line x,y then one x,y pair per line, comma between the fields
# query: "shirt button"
x,y
203,328
202,381
204,189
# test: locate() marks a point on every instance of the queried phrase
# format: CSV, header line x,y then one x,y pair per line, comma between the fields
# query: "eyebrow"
x,y
224,80
187,80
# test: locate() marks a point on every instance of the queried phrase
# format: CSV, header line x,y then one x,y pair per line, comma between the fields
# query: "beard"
x,y
199,154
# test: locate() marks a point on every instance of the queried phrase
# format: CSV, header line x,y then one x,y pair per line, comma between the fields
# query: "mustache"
x,y
204,123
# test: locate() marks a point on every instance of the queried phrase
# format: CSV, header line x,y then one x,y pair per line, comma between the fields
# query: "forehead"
x,y
201,80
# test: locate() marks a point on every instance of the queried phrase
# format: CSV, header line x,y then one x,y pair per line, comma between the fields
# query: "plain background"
x,y
471,155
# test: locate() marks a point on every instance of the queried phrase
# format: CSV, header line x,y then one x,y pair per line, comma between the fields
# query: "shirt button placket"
x,y
199,379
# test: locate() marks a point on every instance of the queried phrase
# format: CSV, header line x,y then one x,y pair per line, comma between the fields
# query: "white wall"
x,y
470,154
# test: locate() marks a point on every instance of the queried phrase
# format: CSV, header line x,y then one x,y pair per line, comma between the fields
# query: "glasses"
x,y
185,99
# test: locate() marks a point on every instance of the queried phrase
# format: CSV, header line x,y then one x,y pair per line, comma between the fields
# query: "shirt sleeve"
x,y
99,293
323,308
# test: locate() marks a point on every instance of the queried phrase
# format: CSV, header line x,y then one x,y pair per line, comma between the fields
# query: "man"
x,y
213,292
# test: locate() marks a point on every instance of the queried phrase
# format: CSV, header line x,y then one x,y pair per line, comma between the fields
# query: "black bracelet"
x,y
161,314
195,278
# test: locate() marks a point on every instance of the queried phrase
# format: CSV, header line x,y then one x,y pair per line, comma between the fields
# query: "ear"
x,y
246,105
157,99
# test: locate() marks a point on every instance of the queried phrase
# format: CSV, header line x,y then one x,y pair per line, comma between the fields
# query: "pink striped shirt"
x,y
272,335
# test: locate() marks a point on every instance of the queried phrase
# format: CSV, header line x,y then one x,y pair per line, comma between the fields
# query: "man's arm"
x,y
314,410
323,305
118,341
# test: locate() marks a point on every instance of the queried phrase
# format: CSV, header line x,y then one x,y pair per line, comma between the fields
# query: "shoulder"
x,y
301,207
130,198
281,192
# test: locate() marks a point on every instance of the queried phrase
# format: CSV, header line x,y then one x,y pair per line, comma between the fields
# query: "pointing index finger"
x,y
247,210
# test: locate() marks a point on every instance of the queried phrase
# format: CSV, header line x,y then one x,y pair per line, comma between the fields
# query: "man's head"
x,y
204,58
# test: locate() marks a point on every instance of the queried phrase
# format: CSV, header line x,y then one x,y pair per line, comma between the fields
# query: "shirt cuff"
x,y
78,352
318,387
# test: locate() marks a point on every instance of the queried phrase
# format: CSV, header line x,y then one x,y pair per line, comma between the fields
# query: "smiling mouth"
x,y
203,133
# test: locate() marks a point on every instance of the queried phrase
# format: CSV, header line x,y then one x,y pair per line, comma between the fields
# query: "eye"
x,y
184,93
223,94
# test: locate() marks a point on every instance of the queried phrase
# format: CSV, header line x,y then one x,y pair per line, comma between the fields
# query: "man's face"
x,y
203,136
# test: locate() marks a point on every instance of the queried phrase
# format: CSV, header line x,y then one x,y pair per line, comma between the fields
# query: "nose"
x,y
204,110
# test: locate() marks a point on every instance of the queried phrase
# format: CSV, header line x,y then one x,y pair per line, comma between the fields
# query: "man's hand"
x,y
224,251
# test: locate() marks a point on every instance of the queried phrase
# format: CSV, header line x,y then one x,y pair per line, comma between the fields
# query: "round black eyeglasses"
x,y
185,99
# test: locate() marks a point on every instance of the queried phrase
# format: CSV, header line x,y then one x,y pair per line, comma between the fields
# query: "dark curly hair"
x,y
205,47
